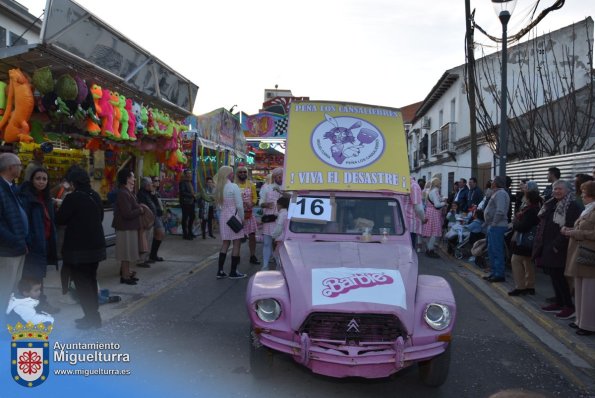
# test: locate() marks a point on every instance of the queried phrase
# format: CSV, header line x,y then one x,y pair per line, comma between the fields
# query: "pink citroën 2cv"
x,y
346,298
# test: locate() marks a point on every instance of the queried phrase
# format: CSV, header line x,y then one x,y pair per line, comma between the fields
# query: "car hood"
x,y
350,277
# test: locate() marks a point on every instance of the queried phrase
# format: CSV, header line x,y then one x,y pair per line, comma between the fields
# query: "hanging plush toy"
x,y
15,122
131,120
106,113
67,91
123,118
150,122
114,100
3,87
43,81
93,125
137,110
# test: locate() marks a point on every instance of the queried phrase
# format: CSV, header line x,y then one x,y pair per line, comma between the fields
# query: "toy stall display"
x,y
57,161
95,126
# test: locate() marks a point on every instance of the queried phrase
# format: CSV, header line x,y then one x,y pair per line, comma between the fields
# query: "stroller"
x,y
457,238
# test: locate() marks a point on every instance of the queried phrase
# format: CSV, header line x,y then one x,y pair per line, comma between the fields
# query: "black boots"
x,y
254,260
234,274
220,273
154,248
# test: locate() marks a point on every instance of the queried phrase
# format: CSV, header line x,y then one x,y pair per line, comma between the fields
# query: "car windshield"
x,y
352,216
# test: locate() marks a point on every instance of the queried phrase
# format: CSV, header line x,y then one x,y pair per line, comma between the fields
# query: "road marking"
x,y
524,335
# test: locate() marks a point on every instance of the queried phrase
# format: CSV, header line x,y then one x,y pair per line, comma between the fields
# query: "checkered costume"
x,y
434,215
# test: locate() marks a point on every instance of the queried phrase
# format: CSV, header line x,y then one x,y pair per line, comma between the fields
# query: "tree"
x,y
550,97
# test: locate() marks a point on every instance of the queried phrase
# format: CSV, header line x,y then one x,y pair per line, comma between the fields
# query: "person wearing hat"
x,y
496,220
269,195
249,199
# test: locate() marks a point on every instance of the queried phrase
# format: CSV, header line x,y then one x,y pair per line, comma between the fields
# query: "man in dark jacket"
x,y
461,196
13,230
187,203
475,195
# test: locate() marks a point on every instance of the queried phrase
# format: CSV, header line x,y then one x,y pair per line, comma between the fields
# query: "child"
x,y
280,224
451,216
279,231
21,307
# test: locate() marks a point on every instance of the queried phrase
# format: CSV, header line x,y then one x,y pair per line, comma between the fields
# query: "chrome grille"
x,y
373,328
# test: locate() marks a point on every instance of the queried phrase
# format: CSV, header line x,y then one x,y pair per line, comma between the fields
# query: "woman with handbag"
x,y
580,262
229,199
524,226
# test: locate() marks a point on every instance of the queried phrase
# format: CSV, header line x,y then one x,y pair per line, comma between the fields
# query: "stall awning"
x,y
76,42
207,143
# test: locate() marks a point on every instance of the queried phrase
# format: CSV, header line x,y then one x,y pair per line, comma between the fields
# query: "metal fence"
x,y
536,169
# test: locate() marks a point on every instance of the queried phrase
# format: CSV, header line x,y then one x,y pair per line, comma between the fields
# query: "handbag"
x,y
234,223
525,239
585,256
269,218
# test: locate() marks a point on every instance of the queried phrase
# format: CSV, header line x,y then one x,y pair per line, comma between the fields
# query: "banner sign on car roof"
x,y
344,146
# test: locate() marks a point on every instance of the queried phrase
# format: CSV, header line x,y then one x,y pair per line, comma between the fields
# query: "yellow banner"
x,y
344,146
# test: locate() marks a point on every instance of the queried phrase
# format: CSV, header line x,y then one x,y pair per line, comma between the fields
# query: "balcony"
x,y
434,142
448,137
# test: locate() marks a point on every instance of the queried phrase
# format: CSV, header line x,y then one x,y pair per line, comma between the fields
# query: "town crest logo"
x,y
347,142
29,353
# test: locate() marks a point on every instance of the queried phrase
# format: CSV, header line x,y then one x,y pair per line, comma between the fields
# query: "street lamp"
x,y
503,10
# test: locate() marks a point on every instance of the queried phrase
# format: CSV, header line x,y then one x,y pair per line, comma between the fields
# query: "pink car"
x,y
346,299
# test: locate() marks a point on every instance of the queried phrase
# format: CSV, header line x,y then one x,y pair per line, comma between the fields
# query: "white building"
x,y
17,25
439,142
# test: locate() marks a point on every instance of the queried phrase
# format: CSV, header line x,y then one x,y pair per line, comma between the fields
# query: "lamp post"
x,y
504,10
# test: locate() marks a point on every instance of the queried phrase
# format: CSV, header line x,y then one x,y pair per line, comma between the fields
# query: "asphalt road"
x,y
192,338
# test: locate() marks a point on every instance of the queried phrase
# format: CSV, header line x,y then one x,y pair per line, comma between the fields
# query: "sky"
x,y
378,52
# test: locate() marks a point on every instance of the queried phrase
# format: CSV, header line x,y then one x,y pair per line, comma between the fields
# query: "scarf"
x,y
588,209
561,207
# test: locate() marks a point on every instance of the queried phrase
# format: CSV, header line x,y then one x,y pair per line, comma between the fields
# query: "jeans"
x,y
496,250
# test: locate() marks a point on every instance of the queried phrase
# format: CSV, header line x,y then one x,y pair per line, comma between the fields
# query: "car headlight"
x,y
437,316
268,310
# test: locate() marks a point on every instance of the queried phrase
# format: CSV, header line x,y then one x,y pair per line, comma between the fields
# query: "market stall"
x,y
87,95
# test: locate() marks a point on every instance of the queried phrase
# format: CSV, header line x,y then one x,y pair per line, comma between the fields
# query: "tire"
x,y
261,358
433,373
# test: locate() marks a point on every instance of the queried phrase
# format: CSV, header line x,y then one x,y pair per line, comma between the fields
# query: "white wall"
x,y
12,26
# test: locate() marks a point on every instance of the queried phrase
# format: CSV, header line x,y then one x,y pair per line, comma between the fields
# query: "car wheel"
x,y
434,372
261,358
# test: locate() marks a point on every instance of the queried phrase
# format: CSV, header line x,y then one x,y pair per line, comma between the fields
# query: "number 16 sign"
x,y
309,208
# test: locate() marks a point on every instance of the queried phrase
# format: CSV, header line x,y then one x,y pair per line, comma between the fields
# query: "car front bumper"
x,y
363,360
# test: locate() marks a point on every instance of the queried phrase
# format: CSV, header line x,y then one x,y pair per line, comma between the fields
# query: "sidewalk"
x,y
582,346
181,257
